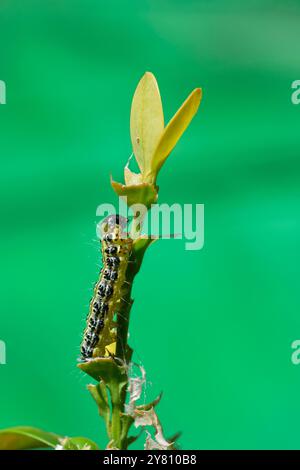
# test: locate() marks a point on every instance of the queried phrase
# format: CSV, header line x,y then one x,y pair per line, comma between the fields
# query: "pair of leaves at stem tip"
x,y
152,141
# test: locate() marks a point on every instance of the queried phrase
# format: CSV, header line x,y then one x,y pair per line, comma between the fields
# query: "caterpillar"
x,y
116,249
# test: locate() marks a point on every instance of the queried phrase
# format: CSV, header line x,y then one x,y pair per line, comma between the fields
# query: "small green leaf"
x,y
146,120
141,244
104,368
174,131
139,248
78,443
144,193
99,393
26,437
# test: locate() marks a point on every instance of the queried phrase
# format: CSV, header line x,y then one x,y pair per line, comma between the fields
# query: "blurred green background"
x,y
213,328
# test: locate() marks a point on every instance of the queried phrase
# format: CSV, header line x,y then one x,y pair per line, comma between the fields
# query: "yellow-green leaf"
x,y
174,131
146,120
131,177
144,193
104,368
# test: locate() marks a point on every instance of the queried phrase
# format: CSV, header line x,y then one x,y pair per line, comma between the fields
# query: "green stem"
x,y
116,423
120,423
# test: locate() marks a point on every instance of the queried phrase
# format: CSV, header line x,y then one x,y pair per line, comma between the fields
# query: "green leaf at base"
x,y
77,443
26,437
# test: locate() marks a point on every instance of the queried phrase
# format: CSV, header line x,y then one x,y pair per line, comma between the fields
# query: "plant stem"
x,y
116,422
119,422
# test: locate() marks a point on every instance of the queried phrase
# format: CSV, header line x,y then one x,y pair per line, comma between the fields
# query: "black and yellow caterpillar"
x,y
116,249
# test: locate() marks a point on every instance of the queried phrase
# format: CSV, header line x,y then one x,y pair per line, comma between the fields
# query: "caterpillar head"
x,y
114,226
